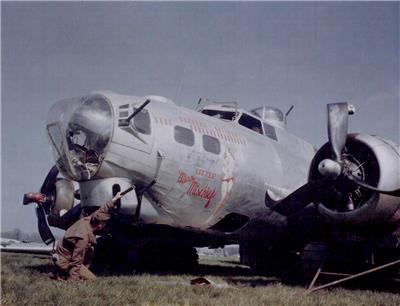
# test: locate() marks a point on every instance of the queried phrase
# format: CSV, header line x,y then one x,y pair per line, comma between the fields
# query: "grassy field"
x,y
24,281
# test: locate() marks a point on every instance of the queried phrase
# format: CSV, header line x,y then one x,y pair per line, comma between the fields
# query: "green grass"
x,y
24,281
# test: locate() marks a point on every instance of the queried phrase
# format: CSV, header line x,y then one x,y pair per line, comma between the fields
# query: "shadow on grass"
x,y
199,270
217,270
42,268
251,282
234,275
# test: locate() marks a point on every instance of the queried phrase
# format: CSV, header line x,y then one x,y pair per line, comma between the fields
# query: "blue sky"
x,y
258,53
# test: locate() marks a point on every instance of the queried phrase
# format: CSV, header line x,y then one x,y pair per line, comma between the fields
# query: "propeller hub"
x,y
329,168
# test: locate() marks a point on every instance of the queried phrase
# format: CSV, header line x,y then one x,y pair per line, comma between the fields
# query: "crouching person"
x,y
74,252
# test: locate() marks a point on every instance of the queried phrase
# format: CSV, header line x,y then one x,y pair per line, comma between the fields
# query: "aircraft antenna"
x,y
289,110
201,100
199,103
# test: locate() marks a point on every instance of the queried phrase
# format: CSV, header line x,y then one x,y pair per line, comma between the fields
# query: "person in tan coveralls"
x,y
74,252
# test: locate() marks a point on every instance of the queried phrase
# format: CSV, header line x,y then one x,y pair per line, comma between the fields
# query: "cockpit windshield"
x,y
224,115
80,134
269,113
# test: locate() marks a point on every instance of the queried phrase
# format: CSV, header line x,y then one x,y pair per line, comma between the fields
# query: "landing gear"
x,y
312,257
271,260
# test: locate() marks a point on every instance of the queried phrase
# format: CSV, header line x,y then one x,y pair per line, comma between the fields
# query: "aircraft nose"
x,y
93,117
79,131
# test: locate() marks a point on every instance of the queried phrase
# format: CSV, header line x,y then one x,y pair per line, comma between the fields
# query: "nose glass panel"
x,y
80,136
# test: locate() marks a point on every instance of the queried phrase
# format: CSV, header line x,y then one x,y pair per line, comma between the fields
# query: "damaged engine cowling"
x,y
370,159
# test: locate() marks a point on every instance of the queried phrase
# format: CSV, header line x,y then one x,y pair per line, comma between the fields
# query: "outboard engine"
x,y
368,159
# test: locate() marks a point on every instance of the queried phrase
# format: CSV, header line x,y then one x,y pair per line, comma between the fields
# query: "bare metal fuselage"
x,y
194,187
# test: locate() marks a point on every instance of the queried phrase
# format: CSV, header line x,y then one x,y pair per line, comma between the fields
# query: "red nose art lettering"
x,y
184,178
195,189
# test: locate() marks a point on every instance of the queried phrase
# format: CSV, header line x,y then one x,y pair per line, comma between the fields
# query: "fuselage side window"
x,y
184,136
251,123
211,144
269,131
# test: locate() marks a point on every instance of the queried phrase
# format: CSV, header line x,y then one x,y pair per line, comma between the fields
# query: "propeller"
x,y
45,196
362,183
299,198
49,181
44,199
338,118
333,170
338,114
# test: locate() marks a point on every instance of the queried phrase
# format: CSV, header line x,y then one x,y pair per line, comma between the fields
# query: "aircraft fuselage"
x,y
205,168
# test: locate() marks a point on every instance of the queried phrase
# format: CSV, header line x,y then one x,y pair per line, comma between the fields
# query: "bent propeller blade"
x,y
43,227
50,180
298,199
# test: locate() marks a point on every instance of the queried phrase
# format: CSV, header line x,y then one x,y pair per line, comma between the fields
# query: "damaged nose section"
x,y
79,131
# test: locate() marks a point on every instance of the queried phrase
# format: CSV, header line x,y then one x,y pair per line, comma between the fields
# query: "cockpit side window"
x,y
184,136
251,123
141,122
269,131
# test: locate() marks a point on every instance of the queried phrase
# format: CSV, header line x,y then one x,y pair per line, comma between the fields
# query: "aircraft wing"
x,y
15,246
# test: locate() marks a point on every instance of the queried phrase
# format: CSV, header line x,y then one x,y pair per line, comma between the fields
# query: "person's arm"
x,y
109,205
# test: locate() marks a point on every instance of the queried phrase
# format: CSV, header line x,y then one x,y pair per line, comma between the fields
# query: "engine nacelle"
x,y
64,196
373,160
